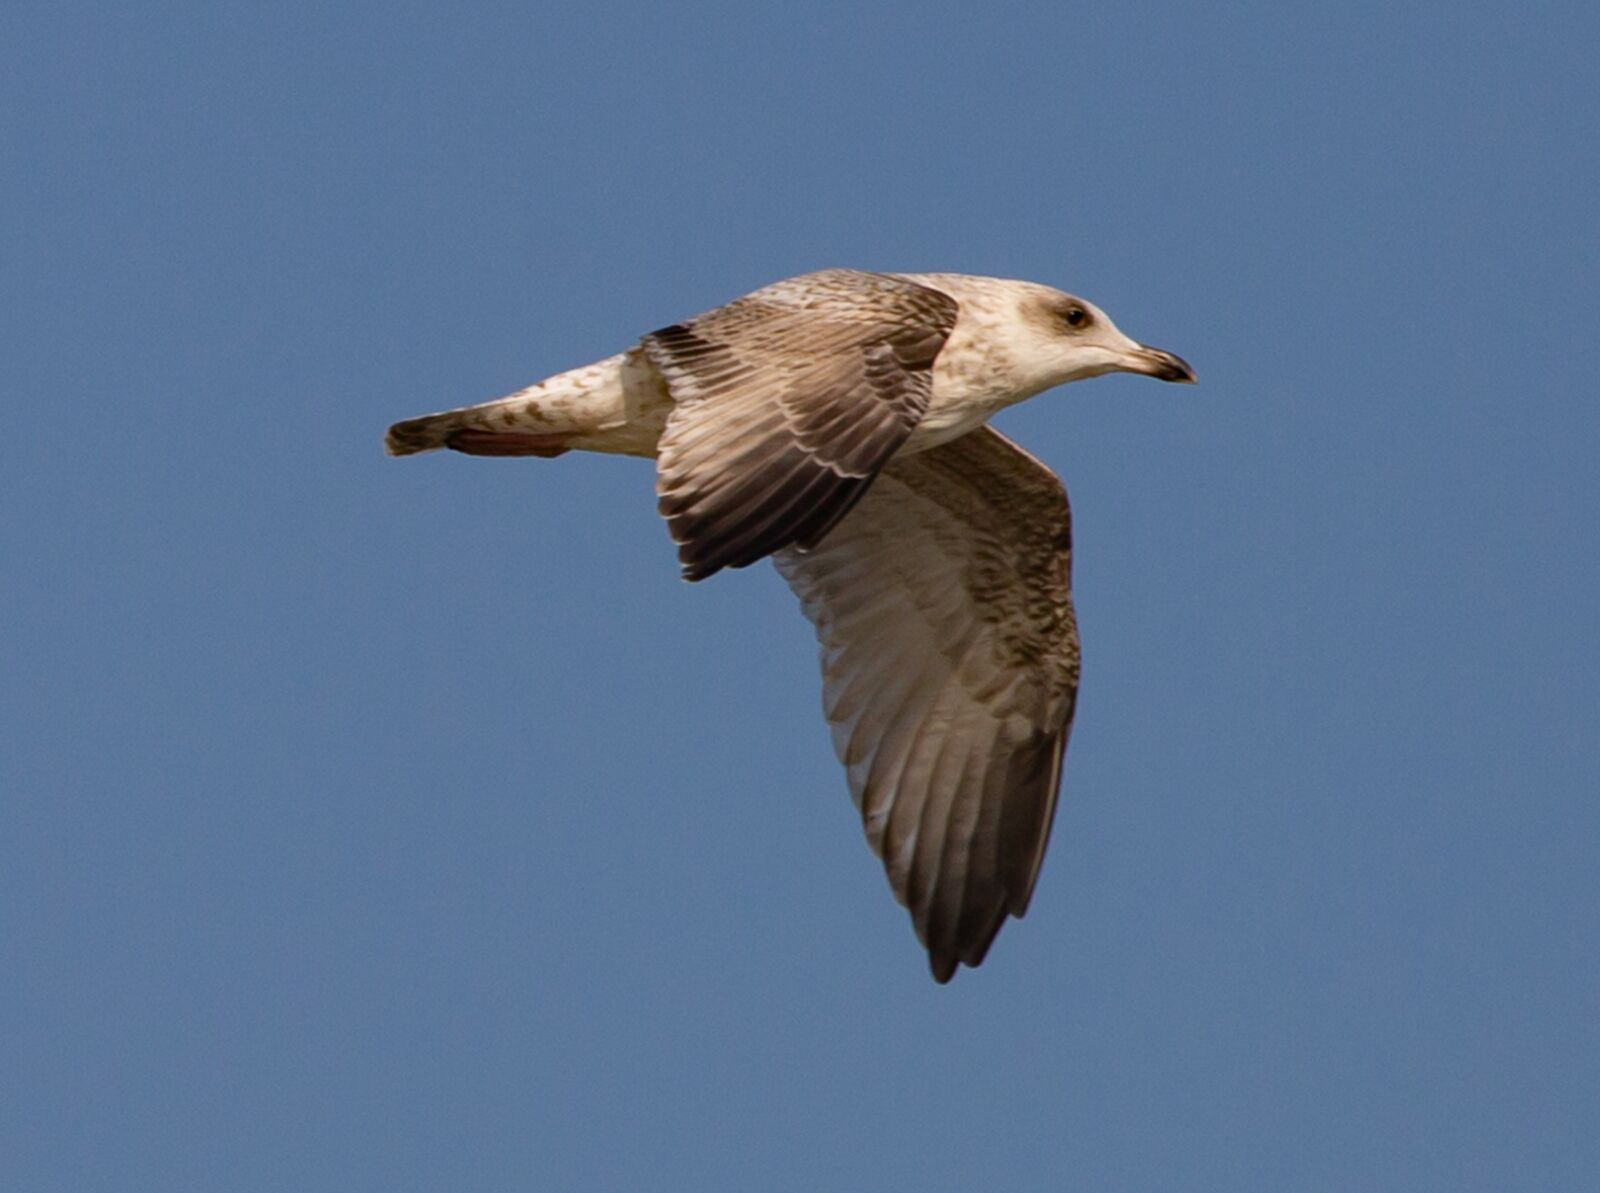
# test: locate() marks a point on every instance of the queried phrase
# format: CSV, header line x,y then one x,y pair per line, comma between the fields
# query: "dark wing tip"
x,y
696,570
970,950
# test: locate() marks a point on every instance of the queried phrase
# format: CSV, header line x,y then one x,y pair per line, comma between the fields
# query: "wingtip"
x,y
693,573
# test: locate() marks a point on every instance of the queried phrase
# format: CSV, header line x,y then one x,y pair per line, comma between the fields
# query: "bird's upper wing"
x,y
787,403
950,670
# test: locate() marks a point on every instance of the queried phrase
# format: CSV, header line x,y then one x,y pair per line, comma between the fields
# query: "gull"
x,y
836,422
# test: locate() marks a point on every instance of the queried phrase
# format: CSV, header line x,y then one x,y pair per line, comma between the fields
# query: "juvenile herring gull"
x,y
835,422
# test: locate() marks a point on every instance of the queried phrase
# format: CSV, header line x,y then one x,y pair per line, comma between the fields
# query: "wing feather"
x,y
950,672
787,402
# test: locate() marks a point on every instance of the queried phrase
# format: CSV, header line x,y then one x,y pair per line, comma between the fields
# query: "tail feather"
x,y
521,414
588,403
423,434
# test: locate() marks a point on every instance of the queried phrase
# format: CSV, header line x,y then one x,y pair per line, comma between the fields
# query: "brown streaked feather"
x,y
950,672
787,403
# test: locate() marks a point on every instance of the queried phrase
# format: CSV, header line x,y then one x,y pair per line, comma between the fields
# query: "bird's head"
x,y
1065,338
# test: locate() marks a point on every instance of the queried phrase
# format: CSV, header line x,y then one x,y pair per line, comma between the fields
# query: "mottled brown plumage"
x,y
835,422
950,669
786,404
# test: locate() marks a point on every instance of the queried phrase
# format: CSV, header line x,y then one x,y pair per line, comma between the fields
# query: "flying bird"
x,y
836,423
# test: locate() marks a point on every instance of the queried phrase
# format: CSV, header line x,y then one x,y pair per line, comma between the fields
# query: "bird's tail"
x,y
423,434
476,430
537,421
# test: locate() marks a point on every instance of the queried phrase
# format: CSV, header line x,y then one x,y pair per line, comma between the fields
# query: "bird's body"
x,y
620,404
835,422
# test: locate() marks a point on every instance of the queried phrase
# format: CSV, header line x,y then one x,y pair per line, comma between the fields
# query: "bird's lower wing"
x,y
950,668
787,402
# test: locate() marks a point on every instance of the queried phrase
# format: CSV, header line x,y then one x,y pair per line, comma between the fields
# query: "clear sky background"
x,y
408,825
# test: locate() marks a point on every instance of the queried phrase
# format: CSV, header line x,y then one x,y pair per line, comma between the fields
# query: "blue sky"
x,y
394,825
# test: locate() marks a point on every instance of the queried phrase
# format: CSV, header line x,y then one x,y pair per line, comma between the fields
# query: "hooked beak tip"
x,y
1162,365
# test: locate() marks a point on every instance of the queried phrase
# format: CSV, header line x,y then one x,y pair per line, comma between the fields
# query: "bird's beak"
x,y
1164,366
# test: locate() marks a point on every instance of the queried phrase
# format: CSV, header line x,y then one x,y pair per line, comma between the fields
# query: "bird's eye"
x,y
1076,316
